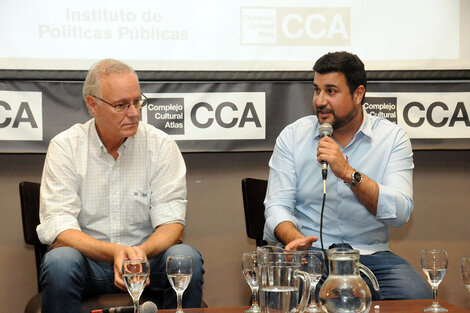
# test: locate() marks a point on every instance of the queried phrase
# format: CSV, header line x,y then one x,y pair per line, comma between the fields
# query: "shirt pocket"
x,y
139,214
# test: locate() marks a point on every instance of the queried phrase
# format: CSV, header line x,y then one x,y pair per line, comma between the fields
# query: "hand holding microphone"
x,y
331,150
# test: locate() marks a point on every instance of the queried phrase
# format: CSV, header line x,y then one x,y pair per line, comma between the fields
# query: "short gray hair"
x,y
100,69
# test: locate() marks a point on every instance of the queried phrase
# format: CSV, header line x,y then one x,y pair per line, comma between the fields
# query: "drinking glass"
x,y
179,269
250,271
434,265
135,274
465,265
313,263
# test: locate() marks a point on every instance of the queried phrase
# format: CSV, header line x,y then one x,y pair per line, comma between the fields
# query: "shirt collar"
x,y
366,126
96,140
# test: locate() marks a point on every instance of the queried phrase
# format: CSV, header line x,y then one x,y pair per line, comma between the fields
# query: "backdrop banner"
x,y
231,116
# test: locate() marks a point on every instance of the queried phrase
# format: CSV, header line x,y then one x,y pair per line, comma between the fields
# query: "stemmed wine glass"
x,y
465,265
135,274
312,263
250,271
179,269
434,265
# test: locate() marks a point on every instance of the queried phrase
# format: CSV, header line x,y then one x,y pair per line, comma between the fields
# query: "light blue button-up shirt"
x,y
380,149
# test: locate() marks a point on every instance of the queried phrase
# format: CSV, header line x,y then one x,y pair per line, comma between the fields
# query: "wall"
x,y
216,222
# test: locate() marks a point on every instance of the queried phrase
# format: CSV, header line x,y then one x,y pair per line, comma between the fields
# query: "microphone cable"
x,y
325,255
324,173
321,214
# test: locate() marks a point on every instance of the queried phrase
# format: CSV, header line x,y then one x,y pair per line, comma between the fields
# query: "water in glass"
x,y
179,269
135,274
465,266
250,271
313,263
434,265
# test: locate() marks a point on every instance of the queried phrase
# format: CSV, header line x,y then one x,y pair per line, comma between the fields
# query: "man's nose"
x,y
319,98
133,111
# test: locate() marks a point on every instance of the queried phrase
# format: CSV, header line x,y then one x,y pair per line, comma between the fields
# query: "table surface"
x,y
393,306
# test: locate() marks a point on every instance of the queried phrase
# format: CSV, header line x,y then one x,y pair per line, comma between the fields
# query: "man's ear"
x,y
359,94
91,103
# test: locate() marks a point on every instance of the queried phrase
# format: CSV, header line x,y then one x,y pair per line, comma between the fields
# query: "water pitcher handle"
x,y
305,291
364,269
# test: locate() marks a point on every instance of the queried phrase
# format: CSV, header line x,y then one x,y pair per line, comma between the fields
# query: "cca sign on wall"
x,y
208,116
21,115
424,115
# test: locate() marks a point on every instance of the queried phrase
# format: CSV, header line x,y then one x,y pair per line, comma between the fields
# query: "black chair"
x,y
29,197
254,192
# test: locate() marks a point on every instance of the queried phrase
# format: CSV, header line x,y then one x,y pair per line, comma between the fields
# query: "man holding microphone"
x,y
369,184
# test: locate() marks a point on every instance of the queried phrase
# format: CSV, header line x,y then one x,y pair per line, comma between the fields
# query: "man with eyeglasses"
x,y
112,189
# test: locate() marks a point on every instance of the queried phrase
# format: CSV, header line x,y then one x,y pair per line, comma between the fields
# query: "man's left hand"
x,y
126,253
303,243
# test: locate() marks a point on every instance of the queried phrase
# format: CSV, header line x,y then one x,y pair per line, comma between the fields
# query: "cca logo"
x,y
23,115
314,26
296,21
248,115
430,114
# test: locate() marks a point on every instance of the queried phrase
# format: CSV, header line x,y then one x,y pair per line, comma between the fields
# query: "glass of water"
x,y
313,263
465,266
135,274
434,265
179,269
250,271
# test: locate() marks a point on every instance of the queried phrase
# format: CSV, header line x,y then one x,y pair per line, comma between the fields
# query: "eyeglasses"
x,y
121,107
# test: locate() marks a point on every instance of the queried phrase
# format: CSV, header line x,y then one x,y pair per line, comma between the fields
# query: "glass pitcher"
x,y
344,290
279,280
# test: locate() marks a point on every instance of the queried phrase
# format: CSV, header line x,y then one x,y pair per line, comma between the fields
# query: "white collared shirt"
x,y
120,201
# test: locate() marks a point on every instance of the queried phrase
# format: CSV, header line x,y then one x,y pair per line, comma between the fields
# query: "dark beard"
x,y
339,123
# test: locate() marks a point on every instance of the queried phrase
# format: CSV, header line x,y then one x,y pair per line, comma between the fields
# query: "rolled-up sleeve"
x,y
59,201
168,203
395,203
282,187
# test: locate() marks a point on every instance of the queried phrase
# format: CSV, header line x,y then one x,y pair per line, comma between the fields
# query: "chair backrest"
x,y
29,198
254,192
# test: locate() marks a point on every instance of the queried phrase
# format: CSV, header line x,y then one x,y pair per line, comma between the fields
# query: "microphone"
x,y
146,307
325,129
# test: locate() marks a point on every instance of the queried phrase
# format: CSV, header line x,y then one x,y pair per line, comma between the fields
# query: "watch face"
x,y
356,178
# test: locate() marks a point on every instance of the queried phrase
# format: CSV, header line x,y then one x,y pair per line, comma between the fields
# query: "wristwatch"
x,y
356,179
